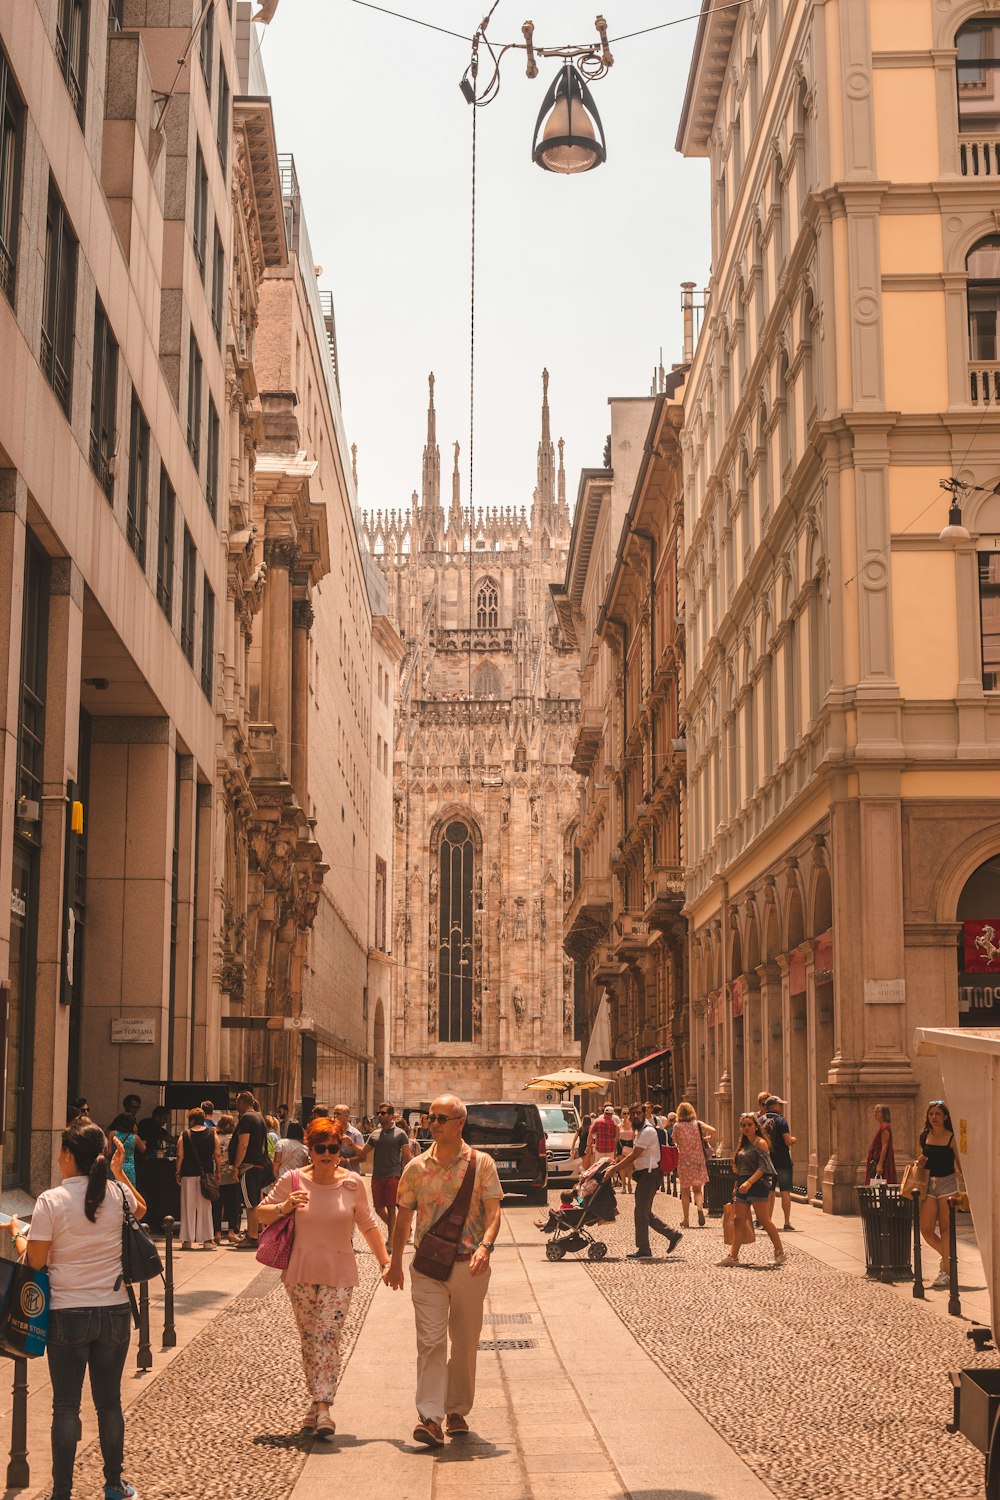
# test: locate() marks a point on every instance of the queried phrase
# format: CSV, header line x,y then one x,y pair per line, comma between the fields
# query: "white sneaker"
x,y
727,1260
942,1280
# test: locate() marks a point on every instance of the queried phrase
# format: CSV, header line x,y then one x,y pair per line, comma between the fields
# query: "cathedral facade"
x,y
484,795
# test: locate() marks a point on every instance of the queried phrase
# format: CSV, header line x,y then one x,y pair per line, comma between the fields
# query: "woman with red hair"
x,y
327,1201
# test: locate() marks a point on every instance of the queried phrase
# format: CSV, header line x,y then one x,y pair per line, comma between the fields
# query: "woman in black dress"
x,y
197,1152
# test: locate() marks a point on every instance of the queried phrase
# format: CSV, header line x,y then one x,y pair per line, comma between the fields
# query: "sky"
x,y
577,274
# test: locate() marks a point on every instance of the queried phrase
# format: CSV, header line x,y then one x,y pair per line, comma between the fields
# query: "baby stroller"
x,y
568,1226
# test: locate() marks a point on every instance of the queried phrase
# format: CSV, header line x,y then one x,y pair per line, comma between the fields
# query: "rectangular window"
x,y
34,652
380,889
11,150
212,459
207,639
218,282
206,48
989,618
165,547
103,401
136,516
71,48
977,71
199,223
59,298
189,566
194,400
222,118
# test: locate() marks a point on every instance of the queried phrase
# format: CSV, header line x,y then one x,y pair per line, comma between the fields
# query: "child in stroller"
x,y
591,1202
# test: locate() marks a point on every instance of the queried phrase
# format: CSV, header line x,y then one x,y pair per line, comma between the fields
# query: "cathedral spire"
x,y
354,466
561,492
545,490
430,496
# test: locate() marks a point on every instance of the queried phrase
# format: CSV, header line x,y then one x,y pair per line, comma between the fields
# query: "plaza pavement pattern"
x,y
667,1380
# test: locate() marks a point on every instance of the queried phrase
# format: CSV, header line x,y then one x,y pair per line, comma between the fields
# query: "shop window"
x,y
137,510
455,951
59,298
103,401
72,26
11,152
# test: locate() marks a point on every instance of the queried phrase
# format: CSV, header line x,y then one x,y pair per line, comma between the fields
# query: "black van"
x,y
514,1136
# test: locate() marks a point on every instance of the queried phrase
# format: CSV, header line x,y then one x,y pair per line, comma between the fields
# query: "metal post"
x,y
918,1271
169,1331
954,1301
144,1357
18,1472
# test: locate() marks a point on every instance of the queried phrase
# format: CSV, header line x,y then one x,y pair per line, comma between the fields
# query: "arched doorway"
x,y
378,1049
978,953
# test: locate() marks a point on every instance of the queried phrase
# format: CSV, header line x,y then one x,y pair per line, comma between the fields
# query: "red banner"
x,y
981,941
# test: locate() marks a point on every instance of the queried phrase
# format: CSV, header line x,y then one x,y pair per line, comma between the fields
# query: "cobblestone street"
x,y
800,1381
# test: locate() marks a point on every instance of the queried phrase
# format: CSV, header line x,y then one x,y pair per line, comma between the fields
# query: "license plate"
x,y
510,1165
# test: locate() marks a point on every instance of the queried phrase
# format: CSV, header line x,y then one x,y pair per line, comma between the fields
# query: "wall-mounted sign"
x,y
133,1031
885,991
981,944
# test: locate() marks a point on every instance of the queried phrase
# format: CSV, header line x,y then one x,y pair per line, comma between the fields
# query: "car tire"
x,y
539,1195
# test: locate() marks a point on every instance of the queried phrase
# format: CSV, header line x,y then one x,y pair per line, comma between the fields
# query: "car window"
x,y
494,1124
557,1120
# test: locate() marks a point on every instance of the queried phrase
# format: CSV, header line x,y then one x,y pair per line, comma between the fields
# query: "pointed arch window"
x,y
487,605
456,972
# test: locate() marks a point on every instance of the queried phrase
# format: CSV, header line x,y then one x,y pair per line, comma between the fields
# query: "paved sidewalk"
x,y
568,1404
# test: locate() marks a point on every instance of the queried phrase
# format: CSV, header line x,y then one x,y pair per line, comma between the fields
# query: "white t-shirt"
x,y
85,1259
647,1149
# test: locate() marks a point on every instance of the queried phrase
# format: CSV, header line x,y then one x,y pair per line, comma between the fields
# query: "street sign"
x,y
290,1023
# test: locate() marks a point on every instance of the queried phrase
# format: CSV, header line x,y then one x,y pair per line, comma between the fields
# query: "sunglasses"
x,y
321,1148
442,1119
385,1111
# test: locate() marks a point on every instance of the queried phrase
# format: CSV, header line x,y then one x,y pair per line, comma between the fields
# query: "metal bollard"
x,y
954,1300
918,1271
18,1472
169,1331
144,1357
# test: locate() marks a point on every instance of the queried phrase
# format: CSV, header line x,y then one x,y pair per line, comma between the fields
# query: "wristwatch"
x,y
487,1245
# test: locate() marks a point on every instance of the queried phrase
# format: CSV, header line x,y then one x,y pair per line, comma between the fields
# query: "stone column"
x,y
753,1037
302,618
50,1038
179,1041
770,1017
206,1007
129,854
276,686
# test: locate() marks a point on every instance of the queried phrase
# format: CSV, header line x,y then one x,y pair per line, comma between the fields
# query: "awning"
x,y
643,1062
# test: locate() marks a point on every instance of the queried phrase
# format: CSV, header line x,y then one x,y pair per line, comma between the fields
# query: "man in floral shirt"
x,y
446,1380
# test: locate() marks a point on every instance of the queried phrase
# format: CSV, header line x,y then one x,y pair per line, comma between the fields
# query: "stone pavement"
x,y
669,1380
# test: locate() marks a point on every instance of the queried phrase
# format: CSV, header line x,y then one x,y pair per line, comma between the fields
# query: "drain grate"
x,y
507,1318
497,1344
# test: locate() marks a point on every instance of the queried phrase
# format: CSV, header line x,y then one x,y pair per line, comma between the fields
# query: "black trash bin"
x,y
887,1221
720,1184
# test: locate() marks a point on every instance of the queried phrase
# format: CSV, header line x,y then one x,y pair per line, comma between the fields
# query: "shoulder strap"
x,y
451,1223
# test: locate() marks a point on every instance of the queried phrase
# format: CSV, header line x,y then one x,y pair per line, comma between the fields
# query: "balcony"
x,y
632,936
608,966
666,897
587,916
984,383
980,157
588,740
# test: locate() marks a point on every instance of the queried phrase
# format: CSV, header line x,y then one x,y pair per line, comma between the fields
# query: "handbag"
x,y
729,1227
26,1305
705,1148
438,1248
140,1257
229,1176
274,1243
916,1180
208,1182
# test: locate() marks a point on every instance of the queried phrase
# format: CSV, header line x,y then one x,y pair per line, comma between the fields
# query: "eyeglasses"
x,y
442,1119
321,1148
385,1111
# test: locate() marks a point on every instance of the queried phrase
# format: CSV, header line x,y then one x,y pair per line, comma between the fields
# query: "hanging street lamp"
x,y
572,139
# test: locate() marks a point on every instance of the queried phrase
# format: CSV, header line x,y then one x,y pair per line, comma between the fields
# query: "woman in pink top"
x,y
327,1201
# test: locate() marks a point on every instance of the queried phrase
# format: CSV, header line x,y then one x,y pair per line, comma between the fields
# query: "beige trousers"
x,y
447,1310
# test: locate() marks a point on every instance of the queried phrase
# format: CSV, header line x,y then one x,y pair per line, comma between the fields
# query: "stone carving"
x,y
567,885
432,885
520,1005
520,919
505,807
501,920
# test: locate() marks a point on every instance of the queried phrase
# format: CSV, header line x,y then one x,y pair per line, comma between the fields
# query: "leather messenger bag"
x,y
436,1253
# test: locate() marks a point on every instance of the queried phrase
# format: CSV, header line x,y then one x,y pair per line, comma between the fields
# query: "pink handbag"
x,y
274,1243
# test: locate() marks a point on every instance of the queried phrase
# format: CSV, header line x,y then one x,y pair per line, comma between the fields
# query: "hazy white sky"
x,y
581,274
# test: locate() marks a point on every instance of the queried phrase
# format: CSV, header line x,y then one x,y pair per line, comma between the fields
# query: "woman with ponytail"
x,y
76,1233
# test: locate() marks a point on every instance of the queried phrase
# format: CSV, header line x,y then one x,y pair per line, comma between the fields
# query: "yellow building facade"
x,y
843,813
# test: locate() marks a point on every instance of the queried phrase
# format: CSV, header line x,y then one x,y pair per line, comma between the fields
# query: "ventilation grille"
x,y
498,1344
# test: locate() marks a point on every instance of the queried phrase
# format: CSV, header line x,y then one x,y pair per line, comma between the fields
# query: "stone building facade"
x,y
843,820
160,548
622,603
485,800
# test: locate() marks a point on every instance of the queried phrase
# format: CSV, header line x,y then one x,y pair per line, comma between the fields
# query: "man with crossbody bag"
x,y
456,1195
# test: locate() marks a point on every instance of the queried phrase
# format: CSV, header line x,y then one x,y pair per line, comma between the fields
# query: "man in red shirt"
x,y
604,1135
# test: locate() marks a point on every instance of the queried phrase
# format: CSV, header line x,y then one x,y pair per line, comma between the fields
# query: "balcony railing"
x,y
984,383
981,157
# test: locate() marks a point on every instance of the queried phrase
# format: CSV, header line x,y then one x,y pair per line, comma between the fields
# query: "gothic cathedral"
x,y
485,800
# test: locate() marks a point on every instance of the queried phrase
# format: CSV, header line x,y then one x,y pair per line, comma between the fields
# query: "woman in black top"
x,y
197,1152
755,1179
939,1154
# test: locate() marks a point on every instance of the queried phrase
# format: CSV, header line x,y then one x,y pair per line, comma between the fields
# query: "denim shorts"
x,y
759,1193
